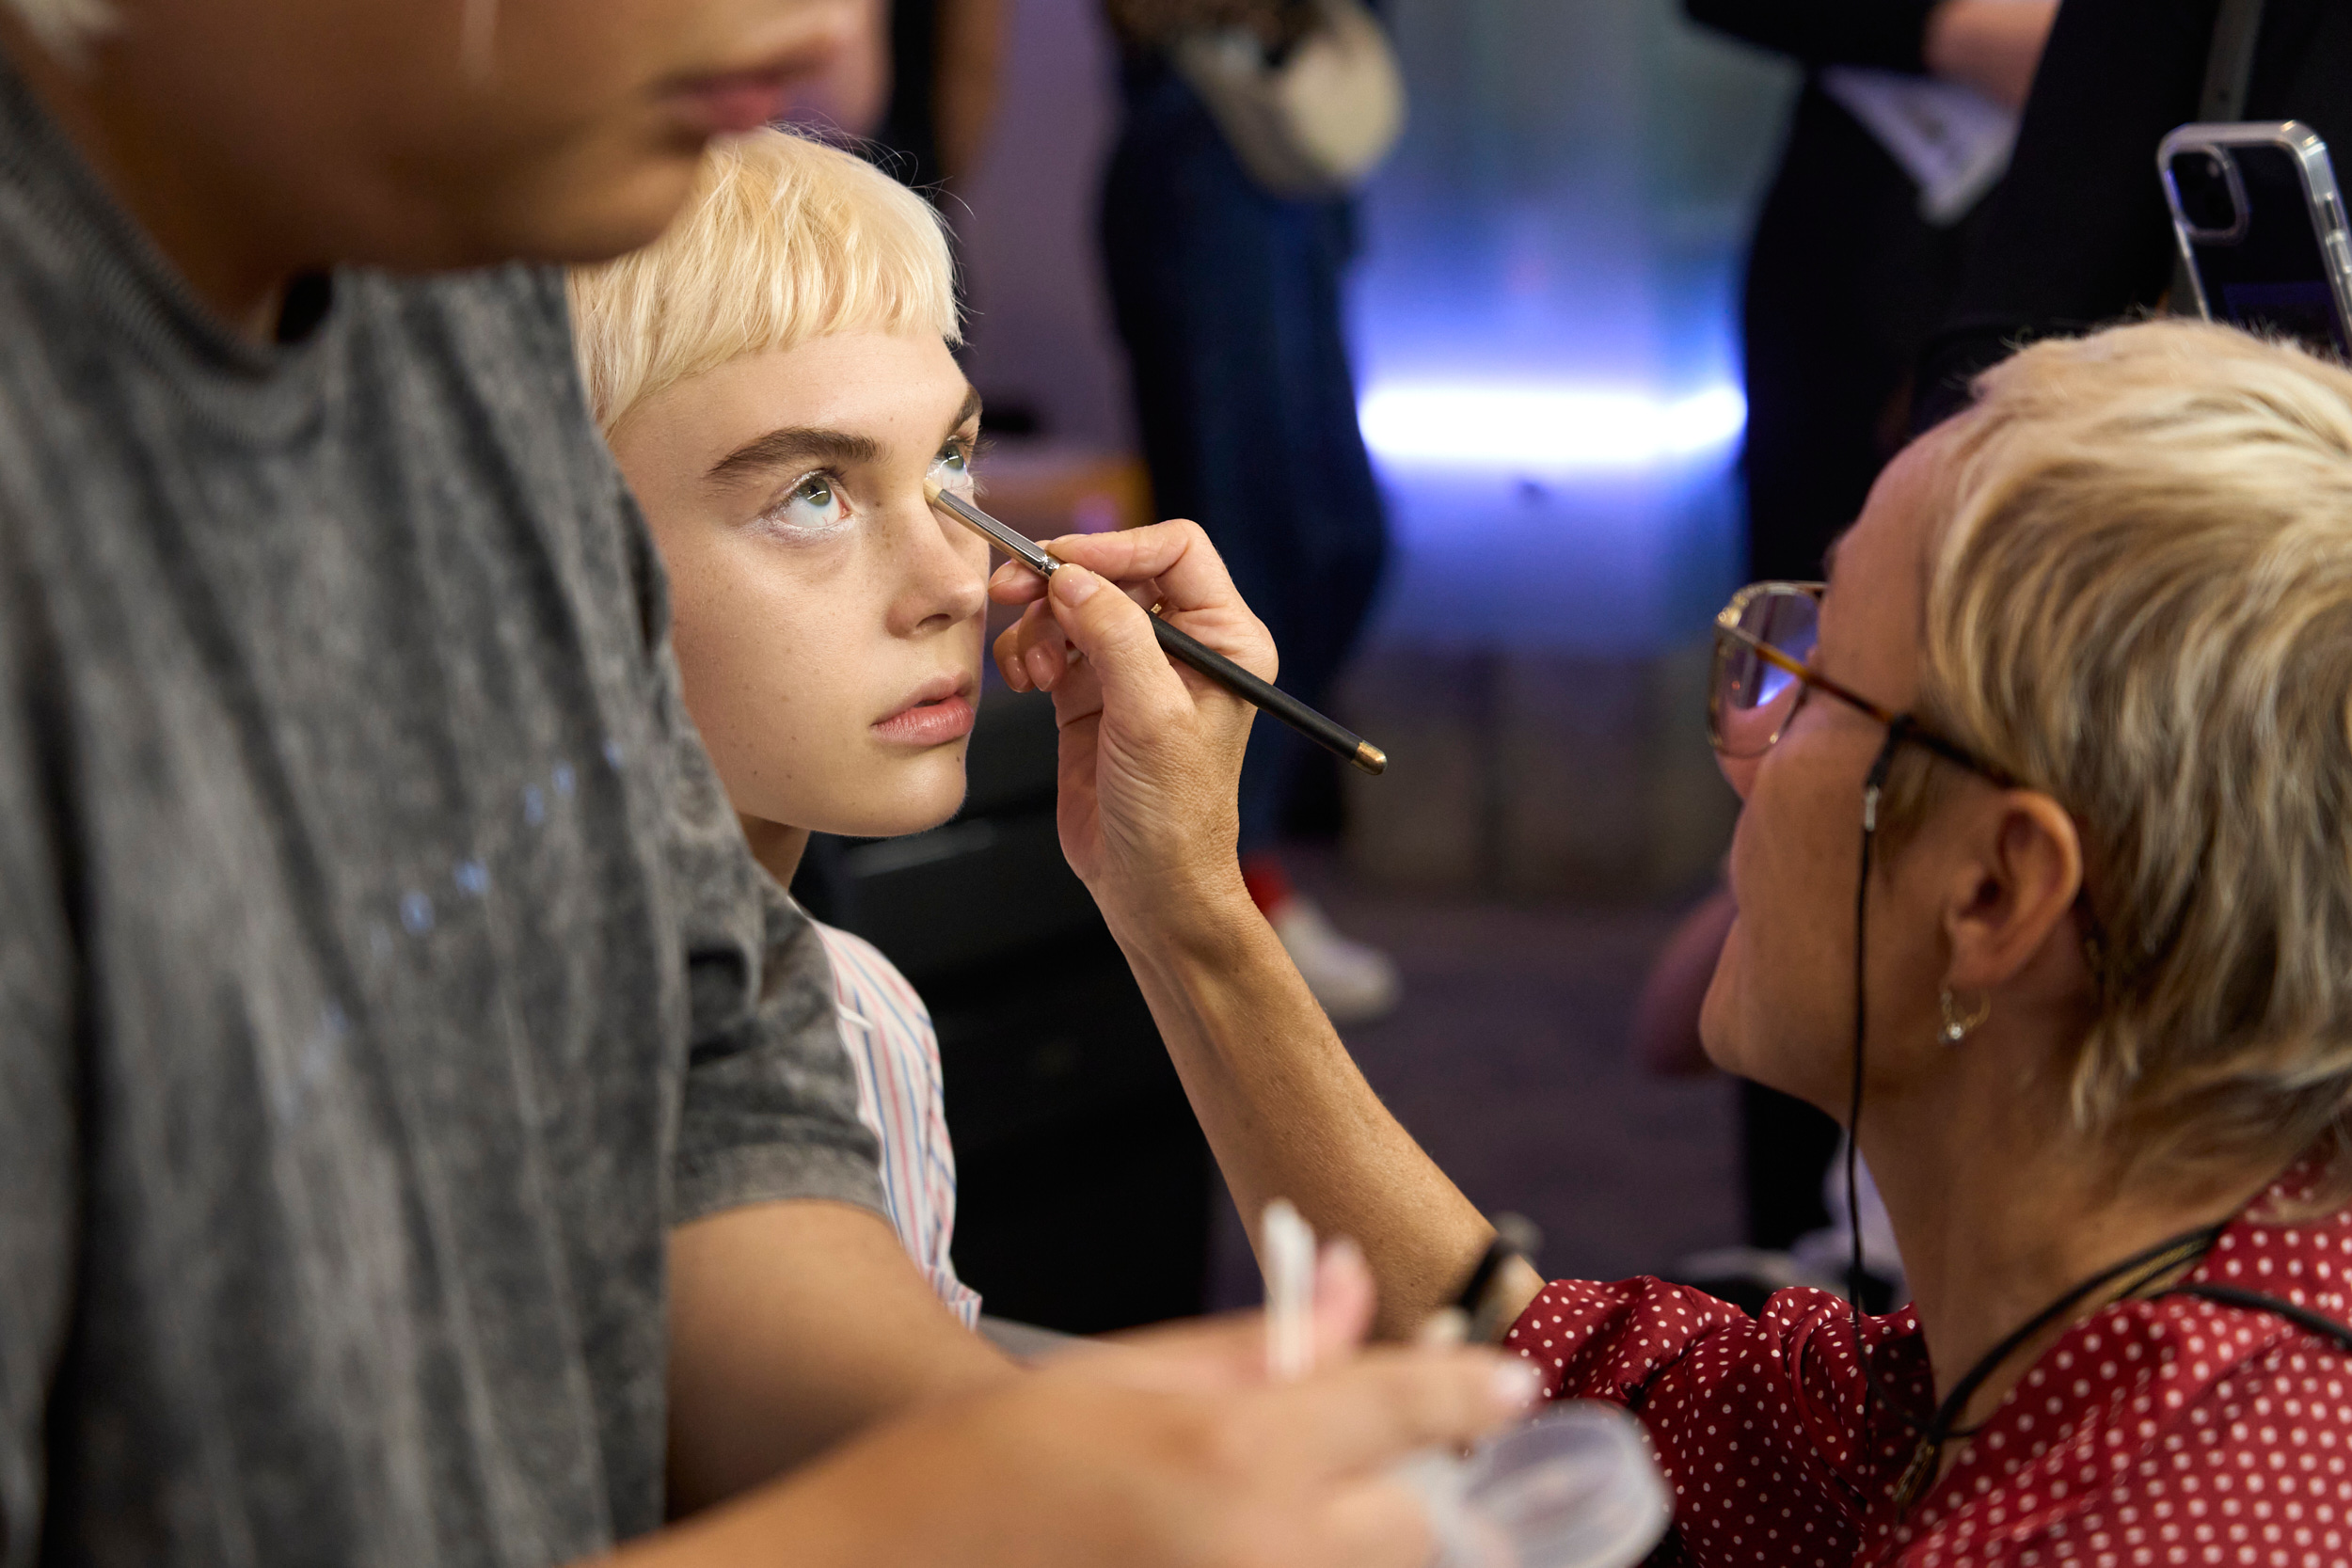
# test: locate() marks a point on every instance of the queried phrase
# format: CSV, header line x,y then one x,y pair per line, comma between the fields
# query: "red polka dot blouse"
x,y
2157,1431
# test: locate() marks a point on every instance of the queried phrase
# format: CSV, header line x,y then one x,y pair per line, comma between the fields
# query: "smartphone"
x,y
2261,225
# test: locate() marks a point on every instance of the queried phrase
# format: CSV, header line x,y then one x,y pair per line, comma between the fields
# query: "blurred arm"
x,y
793,1326
1167,1452
1991,45
1290,1115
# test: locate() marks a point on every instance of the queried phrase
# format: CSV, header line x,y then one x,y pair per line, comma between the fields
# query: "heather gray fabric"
x,y
381,971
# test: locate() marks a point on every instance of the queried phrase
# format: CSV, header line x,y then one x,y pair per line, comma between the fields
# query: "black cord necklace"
x,y
2145,1267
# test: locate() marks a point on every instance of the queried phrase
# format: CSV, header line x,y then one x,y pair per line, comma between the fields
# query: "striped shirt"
x,y
895,1055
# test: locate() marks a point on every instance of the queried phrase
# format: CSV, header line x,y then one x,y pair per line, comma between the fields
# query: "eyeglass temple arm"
x,y
1902,724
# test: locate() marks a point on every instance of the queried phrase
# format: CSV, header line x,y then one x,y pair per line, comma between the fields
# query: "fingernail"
x,y
1042,667
1445,1328
1076,584
1516,1384
1342,1253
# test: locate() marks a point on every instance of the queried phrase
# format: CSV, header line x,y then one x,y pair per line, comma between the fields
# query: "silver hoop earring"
x,y
1956,1024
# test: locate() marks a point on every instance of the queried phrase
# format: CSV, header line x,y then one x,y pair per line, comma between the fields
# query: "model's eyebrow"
x,y
1829,557
971,406
802,444
795,444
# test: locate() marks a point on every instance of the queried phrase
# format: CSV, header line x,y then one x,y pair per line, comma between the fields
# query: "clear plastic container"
x,y
1576,1488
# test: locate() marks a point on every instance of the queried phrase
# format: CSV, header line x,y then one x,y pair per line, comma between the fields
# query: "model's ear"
x,y
2015,873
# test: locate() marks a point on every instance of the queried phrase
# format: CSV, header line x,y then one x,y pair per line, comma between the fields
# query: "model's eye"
x,y
811,508
952,468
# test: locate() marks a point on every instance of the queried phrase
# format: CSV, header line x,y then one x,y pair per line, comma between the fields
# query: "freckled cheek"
x,y
764,658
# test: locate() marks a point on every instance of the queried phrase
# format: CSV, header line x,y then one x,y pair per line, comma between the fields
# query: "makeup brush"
x,y
1324,732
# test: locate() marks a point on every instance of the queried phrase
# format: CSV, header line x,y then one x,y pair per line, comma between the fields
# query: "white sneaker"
x,y
1355,984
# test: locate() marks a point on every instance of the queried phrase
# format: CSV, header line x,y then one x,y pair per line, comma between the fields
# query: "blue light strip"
x,y
1544,427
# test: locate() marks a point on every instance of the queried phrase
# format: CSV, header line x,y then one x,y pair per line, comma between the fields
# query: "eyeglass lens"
x,y
1752,697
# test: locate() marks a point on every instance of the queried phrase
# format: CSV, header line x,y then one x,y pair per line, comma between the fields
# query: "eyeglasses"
x,y
1764,643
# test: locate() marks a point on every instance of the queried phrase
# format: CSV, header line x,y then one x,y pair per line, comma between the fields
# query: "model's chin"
x,y
919,794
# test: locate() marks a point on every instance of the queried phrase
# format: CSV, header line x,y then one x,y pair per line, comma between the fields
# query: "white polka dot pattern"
x,y
2155,1432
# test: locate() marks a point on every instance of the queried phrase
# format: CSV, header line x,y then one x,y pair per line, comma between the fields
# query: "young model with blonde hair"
x,y
774,376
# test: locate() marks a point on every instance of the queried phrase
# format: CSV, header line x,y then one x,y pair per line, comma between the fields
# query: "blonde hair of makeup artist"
x,y
783,240
2141,603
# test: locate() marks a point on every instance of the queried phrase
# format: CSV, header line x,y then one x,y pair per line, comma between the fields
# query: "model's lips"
x,y
936,712
734,101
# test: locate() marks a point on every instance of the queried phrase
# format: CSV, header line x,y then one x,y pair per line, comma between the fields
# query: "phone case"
x,y
2279,256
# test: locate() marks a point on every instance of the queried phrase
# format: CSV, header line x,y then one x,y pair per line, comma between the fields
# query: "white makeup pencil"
x,y
1288,1246
1324,731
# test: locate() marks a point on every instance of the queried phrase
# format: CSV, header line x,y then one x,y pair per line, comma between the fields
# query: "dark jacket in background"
x,y
2079,235
1844,282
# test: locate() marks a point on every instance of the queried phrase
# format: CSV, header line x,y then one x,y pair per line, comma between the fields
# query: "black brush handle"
x,y
1327,733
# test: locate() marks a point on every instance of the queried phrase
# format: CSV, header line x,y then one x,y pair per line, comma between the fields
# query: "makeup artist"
x,y
2042,889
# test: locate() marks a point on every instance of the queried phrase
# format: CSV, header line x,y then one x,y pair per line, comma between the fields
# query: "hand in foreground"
x,y
1151,752
1169,1451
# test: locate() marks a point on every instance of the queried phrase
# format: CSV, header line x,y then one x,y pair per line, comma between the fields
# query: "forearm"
x,y
1287,1112
793,1326
1168,1450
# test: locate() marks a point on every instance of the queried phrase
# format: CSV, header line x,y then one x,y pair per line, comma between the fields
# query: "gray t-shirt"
x,y
381,970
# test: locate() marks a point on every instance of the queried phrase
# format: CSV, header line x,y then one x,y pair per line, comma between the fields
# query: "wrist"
x,y
1201,917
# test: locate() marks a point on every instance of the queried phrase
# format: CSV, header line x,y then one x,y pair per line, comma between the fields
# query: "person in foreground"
x,y
775,378
424,1135
2070,726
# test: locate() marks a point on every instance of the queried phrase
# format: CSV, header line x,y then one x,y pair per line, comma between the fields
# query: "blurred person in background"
x,y
946,65
2041,886
425,1133
2080,234
1902,128
1228,297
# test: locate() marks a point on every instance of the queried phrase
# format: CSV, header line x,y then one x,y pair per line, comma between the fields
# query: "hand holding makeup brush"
x,y
1151,752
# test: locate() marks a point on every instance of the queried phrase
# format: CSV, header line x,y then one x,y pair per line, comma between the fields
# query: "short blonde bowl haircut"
x,y
783,240
2140,602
